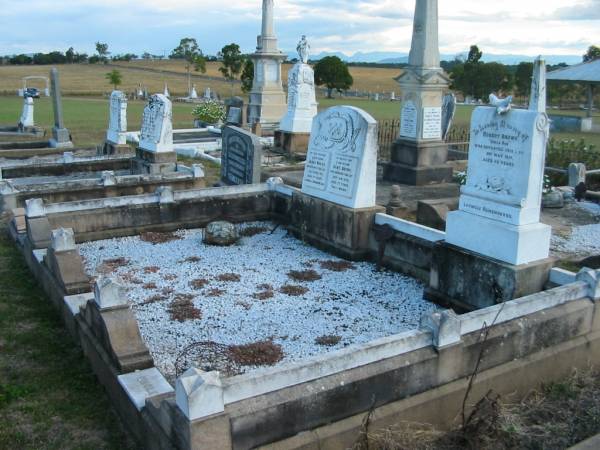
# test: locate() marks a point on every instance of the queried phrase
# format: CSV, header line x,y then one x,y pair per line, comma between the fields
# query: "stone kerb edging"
x,y
440,330
410,228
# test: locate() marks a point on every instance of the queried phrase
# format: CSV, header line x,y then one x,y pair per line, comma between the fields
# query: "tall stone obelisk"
x,y
61,138
267,98
419,156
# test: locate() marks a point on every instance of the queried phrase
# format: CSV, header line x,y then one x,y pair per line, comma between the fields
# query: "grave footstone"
x,y
341,165
241,157
156,153
116,135
61,137
26,120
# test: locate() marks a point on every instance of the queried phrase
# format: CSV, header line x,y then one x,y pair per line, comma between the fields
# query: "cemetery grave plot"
x,y
582,240
269,299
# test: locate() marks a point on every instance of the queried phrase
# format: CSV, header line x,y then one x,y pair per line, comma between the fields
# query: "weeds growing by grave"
x,y
216,292
199,283
293,290
336,266
182,308
262,353
229,277
328,340
151,269
111,265
304,275
158,238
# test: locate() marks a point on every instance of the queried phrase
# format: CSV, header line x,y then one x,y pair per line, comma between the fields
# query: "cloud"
x,y
510,26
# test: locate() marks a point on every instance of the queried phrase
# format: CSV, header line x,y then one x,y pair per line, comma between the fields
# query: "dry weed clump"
x,y
110,265
151,269
262,353
216,292
170,277
304,275
158,238
182,308
229,277
252,231
153,299
199,283
336,266
149,286
293,290
328,340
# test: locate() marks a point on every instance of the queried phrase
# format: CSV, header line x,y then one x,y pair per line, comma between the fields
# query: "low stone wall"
x,y
98,164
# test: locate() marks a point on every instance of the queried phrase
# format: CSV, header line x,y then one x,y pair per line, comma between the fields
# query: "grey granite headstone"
x,y
234,116
241,157
60,135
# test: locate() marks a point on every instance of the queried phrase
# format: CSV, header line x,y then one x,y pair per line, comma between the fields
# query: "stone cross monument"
x,y
295,127
419,156
267,99
61,137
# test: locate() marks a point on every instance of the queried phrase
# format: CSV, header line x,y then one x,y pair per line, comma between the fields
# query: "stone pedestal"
x,y
61,138
467,281
293,144
418,163
110,148
147,162
340,230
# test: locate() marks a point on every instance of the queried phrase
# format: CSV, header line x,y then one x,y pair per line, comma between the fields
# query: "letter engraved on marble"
x,y
432,123
409,118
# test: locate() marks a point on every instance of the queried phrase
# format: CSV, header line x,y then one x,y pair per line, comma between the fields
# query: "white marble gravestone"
x,y
341,165
117,124
26,119
157,125
499,213
194,93
302,99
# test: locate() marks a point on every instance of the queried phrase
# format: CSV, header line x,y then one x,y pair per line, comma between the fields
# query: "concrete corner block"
x,y
68,157
592,278
165,195
444,325
273,182
199,394
198,170
63,240
109,178
108,293
34,207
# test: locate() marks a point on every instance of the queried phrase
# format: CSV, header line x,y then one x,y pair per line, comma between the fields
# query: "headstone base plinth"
x,y
468,281
418,163
61,138
110,148
293,144
147,162
312,218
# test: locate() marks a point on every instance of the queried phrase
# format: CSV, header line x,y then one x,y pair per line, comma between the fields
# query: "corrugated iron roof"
x,y
588,72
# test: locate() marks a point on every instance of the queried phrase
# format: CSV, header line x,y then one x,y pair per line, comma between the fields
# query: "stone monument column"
x,y
419,156
61,138
267,98
295,127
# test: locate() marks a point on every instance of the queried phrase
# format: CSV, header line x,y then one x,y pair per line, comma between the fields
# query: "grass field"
x,y
49,396
83,79
87,118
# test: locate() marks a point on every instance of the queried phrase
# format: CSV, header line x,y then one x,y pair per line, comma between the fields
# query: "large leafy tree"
x,y
592,53
332,72
102,50
523,76
232,62
247,77
189,51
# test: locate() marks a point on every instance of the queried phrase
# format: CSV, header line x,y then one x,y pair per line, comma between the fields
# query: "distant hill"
x,y
402,58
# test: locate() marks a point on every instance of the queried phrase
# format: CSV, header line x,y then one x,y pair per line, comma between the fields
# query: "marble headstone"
x,y
241,157
194,93
234,116
499,212
157,125
117,125
341,165
302,100
26,119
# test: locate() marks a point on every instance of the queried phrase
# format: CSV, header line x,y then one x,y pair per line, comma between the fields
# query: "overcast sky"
x,y
530,27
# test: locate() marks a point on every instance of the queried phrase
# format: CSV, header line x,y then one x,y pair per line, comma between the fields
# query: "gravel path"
x,y
198,284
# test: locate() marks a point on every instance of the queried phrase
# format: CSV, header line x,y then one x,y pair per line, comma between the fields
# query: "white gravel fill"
x,y
359,305
583,240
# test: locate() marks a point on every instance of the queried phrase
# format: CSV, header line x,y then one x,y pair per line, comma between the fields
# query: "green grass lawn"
x,y
49,397
87,118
